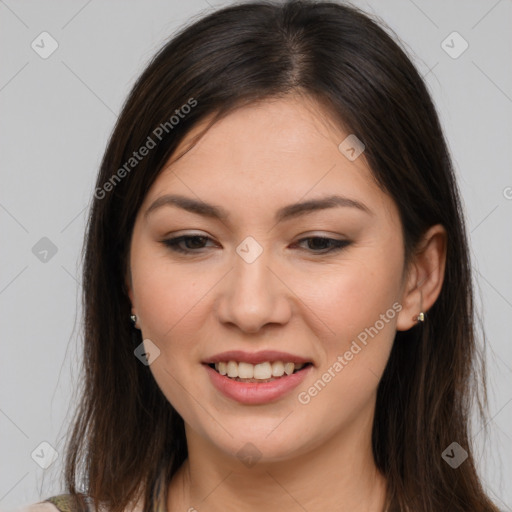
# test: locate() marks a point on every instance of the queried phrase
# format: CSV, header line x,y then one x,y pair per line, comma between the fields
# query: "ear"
x,y
424,278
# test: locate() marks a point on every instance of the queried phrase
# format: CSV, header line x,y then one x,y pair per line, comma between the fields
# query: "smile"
x,y
257,391
262,372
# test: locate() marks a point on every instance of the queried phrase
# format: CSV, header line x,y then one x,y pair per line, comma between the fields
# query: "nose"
x,y
253,295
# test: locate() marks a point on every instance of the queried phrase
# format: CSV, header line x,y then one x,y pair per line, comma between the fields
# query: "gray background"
x,y
57,114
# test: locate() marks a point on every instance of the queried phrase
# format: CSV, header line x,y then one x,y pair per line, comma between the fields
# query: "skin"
x,y
294,297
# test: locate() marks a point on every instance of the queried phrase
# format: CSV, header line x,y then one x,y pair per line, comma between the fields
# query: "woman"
x,y
277,287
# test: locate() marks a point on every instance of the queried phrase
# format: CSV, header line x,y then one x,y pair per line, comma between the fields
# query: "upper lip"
x,y
256,357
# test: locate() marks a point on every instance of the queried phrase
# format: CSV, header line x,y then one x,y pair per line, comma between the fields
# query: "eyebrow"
x,y
285,213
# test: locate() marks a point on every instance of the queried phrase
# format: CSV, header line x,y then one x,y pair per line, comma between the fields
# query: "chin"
x,y
264,441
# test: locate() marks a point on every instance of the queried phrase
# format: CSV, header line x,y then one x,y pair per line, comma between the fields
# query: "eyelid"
x,y
177,238
337,244
302,236
323,234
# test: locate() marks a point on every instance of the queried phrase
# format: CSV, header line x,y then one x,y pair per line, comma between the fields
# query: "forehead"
x,y
266,154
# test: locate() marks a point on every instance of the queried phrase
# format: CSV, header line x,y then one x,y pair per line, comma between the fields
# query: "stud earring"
x,y
133,319
421,316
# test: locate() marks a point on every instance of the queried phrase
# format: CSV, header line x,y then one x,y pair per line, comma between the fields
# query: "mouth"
x,y
257,373
266,381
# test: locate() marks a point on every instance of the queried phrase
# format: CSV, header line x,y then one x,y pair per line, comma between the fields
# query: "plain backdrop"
x,y
56,116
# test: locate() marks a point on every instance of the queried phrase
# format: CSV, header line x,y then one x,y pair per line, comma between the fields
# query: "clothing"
x,y
64,503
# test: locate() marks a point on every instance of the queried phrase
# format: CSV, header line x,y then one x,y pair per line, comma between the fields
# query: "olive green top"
x,y
64,502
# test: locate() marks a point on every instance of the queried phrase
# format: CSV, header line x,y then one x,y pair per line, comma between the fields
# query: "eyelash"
x,y
173,243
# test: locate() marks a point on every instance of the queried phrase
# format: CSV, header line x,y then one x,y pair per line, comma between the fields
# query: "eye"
x,y
187,244
192,243
323,245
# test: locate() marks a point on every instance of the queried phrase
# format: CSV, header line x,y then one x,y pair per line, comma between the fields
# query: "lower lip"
x,y
253,393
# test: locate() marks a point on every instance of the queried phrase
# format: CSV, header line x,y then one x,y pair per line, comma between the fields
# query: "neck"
x,y
340,474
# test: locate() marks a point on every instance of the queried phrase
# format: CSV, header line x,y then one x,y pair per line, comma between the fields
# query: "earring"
x,y
133,319
421,316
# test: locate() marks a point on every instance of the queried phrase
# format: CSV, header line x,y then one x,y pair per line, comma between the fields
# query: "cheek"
x,y
169,300
353,296
358,303
168,296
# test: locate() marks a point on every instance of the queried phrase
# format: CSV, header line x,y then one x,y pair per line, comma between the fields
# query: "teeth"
x,y
232,369
261,371
277,369
288,368
247,370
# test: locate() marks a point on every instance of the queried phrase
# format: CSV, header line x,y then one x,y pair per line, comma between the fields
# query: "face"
x,y
322,285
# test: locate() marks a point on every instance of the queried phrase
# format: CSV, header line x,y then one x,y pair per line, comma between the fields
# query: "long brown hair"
x,y
125,432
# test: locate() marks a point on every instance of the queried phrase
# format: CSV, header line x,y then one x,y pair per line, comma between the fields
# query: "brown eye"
x,y
324,245
192,243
